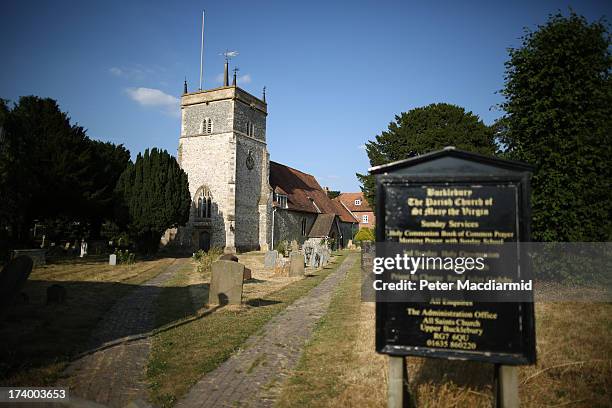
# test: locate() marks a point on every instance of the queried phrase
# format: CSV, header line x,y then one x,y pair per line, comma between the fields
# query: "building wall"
x,y
288,225
346,229
209,160
250,192
371,218
252,186
241,196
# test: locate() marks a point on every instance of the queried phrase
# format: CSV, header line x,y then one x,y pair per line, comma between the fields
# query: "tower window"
x,y
250,129
206,127
303,227
204,203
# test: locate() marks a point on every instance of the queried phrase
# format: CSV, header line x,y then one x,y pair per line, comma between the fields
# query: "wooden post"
x,y
506,386
397,394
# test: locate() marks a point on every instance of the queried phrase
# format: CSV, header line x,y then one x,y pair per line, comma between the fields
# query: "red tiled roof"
x,y
304,192
348,199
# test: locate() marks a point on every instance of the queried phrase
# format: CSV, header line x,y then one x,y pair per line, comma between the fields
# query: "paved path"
x,y
115,376
253,376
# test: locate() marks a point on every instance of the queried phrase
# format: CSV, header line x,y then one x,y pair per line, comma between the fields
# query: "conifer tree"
x,y
154,195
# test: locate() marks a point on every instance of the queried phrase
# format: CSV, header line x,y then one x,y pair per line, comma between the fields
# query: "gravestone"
x,y
325,257
296,264
83,249
294,246
226,283
36,255
13,277
270,259
282,267
308,254
112,259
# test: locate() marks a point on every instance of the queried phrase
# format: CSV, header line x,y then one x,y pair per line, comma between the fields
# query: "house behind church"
x,y
358,206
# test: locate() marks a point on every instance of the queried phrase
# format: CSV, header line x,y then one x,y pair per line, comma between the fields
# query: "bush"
x,y
204,259
364,234
125,257
283,248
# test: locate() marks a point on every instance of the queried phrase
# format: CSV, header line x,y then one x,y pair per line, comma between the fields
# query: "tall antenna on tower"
x,y
202,52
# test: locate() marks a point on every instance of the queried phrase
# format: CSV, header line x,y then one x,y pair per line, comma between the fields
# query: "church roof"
x,y
304,192
322,225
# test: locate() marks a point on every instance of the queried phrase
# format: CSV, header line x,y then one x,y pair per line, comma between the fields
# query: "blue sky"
x,y
336,72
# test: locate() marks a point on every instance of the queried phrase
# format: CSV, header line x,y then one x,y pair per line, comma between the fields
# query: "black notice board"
x,y
506,330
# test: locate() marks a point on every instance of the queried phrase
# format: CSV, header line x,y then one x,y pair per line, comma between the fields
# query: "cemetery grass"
x,y
37,340
183,354
339,366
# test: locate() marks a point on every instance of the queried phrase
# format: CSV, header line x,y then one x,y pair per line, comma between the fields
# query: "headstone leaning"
x,y
296,264
13,277
226,283
270,259
112,259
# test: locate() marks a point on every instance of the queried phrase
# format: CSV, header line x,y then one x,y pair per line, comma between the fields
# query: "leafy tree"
x,y
154,195
558,104
422,130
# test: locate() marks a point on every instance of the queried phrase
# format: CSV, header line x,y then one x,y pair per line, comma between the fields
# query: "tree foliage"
x,y
422,130
333,193
50,170
364,234
558,104
153,195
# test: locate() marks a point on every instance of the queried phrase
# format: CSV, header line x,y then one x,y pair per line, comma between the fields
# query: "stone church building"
x,y
240,199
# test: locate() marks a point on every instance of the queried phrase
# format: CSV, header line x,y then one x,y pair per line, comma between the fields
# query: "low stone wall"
x,y
37,255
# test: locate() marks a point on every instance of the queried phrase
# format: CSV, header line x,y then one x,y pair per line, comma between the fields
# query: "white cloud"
x,y
116,71
152,97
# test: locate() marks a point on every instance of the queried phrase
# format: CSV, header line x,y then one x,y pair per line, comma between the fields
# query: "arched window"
x,y
206,127
204,203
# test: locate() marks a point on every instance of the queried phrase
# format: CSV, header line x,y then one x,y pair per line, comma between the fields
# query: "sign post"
x,y
398,394
461,209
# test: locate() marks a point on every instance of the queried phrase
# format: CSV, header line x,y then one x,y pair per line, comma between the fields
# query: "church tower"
x,y
222,148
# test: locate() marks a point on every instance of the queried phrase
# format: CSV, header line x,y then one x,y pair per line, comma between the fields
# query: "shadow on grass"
x,y
254,280
474,375
261,302
36,334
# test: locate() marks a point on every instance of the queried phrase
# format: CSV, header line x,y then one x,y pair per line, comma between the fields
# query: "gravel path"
x,y
253,376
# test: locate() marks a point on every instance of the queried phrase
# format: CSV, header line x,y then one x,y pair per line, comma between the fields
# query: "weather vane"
x,y
229,54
